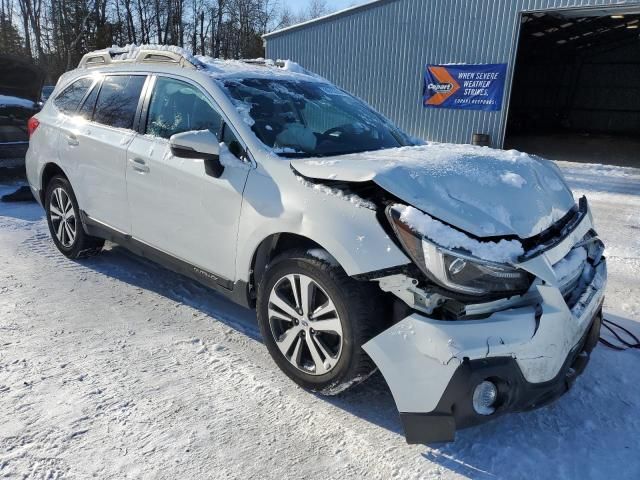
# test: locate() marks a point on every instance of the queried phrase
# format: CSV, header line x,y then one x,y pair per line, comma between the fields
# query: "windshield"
x,y
311,119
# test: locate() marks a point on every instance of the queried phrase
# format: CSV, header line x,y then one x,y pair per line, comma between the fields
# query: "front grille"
x,y
569,270
579,281
548,239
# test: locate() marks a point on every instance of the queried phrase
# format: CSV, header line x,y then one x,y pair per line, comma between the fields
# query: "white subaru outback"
x,y
470,277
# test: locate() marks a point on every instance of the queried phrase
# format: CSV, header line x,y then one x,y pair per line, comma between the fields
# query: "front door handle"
x,y
72,140
139,165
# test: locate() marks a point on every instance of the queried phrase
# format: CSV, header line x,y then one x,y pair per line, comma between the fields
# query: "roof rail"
x,y
144,55
262,62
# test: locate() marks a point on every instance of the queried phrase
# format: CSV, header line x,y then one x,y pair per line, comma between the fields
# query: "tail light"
x,y
32,124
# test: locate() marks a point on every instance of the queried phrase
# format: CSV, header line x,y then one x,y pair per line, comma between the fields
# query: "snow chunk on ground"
x,y
504,251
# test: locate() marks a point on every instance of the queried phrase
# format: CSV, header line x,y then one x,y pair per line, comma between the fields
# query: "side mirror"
x,y
198,144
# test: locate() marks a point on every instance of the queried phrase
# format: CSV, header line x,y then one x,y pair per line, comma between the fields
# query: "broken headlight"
x,y
456,270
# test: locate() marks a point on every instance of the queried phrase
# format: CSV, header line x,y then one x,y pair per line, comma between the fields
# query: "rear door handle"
x,y
72,140
139,165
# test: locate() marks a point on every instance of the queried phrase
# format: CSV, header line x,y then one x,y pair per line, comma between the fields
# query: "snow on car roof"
x,y
216,67
256,68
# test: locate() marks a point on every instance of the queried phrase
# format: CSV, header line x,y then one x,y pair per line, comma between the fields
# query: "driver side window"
x,y
178,107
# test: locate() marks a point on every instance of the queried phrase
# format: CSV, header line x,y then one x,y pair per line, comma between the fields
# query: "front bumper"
x,y
455,409
532,353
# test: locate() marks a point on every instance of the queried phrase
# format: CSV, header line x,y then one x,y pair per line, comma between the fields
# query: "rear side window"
x,y
86,110
118,100
71,96
178,107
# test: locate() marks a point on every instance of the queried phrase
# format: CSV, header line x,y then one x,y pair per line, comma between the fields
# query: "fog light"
x,y
484,398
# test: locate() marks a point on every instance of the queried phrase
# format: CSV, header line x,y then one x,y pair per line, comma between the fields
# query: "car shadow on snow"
x,y
580,435
29,211
117,262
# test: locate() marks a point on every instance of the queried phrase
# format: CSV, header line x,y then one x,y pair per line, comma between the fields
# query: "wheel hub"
x,y
305,324
63,217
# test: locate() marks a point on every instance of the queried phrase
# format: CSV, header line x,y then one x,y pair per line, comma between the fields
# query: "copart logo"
x,y
440,87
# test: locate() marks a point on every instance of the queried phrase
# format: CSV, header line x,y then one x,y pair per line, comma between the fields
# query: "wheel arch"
x,y
49,171
272,246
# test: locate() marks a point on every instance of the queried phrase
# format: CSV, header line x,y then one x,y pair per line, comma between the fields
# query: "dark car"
x,y
20,89
47,90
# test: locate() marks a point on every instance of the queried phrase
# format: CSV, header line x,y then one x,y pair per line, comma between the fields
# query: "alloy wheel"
x,y
63,217
305,324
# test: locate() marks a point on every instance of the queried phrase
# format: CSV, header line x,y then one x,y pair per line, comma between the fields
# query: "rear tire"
x,y
65,223
319,346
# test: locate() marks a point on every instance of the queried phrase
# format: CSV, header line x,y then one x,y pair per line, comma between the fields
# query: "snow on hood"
x,y
482,191
504,251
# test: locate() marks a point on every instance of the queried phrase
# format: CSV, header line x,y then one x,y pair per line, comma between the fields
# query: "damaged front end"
x,y
501,302
485,335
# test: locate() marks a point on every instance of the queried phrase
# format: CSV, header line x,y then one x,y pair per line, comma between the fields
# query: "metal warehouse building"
x,y
571,86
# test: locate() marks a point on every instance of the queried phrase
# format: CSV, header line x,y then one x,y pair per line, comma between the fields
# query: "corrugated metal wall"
x,y
378,52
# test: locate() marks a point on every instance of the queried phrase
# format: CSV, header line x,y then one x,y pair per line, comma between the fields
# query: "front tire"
x,y
65,224
314,320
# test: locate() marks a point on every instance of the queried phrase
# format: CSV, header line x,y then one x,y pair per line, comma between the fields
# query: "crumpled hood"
x,y
482,191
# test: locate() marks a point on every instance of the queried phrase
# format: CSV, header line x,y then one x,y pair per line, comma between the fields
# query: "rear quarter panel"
x,y
43,145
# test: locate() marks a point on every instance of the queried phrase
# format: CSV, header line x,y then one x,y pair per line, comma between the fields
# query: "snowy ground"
x,y
115,368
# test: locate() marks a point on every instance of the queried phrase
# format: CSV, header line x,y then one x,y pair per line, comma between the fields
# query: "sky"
x,y
334,5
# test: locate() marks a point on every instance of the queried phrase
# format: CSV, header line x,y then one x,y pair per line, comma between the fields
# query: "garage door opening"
x,y
576,87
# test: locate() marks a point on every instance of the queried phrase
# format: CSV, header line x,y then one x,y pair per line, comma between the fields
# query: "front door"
x,y
175,206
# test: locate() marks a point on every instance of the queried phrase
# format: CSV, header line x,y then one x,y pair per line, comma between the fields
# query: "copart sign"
x,y
465,87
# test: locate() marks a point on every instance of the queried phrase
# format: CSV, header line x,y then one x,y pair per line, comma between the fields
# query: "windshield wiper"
x,y
296,155
328,154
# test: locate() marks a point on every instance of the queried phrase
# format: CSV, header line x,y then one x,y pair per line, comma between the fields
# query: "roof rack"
x,y
263,63
146,55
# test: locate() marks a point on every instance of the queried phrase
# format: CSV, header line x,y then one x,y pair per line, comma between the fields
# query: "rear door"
x,y
98,138
51,145
175,205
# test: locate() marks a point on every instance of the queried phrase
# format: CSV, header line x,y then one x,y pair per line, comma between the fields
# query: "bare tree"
x,y
56,33
315,9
